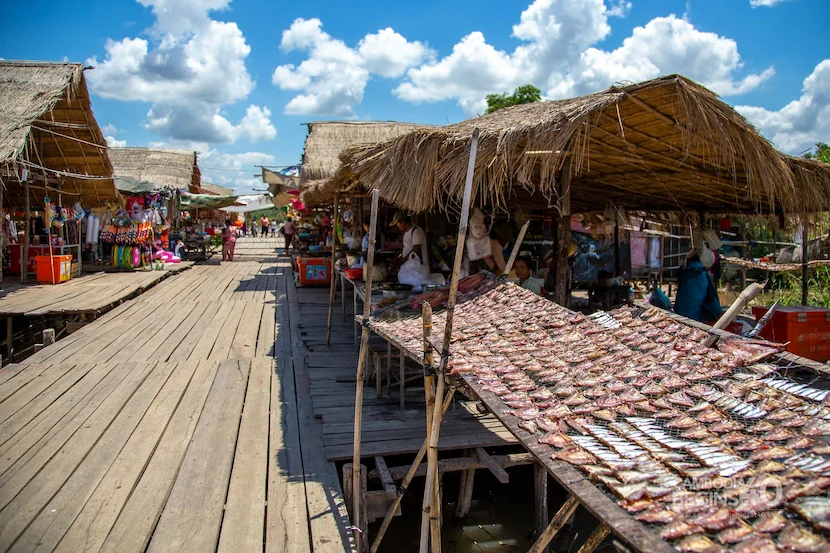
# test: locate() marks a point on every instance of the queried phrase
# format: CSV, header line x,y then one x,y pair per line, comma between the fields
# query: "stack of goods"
x,y
712,448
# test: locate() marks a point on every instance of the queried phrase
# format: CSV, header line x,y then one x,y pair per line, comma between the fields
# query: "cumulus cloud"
x,y
333,77
109,128
559,54
234,170
767,3
112,142
189,69
801,123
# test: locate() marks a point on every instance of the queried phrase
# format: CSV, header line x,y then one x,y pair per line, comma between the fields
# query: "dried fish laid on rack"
x,y
712,447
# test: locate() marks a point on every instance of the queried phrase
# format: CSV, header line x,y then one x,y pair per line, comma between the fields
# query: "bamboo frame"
x,y
332,274
556,524
429,526
431,488
361,369
516,246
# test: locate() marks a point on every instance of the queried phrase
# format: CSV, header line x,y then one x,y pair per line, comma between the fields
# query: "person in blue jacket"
x,y
697,297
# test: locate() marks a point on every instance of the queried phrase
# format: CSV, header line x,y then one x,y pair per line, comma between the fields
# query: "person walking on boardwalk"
x,y
264,222
228,240
288,230
273,229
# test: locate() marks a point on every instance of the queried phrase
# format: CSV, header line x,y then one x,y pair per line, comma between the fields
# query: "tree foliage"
x,y
525,94
822,153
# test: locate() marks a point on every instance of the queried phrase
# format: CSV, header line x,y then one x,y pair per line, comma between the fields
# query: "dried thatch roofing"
x,y
47,121
327,140
162,167
665,144
216,190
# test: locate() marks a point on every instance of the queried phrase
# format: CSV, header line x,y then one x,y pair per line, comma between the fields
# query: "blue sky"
x,y
235,79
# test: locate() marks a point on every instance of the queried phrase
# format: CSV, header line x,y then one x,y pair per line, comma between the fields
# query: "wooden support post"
x,y
429,394
362,534
386,478
378,375
617,260
430,488
10,338
361,367
402,382
500,474
333,275
388,369
563,236
805,257
540,489
595,539
744,254
516,246
406,481
27,239
465,491
48,337
555,525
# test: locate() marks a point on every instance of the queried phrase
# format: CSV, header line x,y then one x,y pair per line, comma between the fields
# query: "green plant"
x,y
525,94
822,153
787,289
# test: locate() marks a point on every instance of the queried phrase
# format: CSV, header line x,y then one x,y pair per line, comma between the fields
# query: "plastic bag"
x,y
413,272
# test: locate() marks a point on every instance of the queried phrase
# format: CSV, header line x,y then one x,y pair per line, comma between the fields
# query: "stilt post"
x,y
361,368
555,525
332,274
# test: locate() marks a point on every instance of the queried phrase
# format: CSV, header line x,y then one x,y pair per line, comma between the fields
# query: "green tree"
x,y
822,153
525,94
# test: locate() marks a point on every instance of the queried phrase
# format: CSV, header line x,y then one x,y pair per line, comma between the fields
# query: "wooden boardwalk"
x,y
90,294
171,423
385,431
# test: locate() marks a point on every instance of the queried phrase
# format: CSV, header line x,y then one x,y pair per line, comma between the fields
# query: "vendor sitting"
x,y
522,269
414,238
697,297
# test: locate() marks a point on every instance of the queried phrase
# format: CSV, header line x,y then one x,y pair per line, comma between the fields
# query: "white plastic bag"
x,y
413,272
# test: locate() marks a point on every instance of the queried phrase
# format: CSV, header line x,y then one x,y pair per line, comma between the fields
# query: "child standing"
x,y
228,241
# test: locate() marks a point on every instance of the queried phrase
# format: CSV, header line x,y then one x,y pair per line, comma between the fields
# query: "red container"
x,y
354,274
53,269
807,329
314,270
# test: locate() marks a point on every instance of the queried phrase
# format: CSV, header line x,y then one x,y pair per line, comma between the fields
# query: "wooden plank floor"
x,y
172,423
331,371
96,292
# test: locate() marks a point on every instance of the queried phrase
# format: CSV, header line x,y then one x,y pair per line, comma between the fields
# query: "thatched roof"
x,y
216,190
162,167
321,172
47,122
665,144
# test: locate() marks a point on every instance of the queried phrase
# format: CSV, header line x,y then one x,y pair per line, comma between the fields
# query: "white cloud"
x,y
234,170
109,128
767,3
801,123
559,54
333,77
190,68
112,142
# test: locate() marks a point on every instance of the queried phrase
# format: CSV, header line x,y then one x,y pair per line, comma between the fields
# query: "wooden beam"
x,y
386,478
465,491
596,538
555,525
563,236
540,493
491,464
460,464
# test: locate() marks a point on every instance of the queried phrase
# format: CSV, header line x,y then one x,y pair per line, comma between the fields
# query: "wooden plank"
x,y
386,478
136,520
28,499
74,437
181,341
138,425
500,474
209,333
243,524
33,408
15,376
555,525
326,507
61,411
31,390
267,332
96,514
222,345
285,530
193,512
245,341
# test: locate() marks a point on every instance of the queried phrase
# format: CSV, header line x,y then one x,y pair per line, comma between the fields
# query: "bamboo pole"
x,y
413,469
361,369
804,261
555,525
746,296
333,273
516,246
429,393
563,236
432,459
24,263
595,539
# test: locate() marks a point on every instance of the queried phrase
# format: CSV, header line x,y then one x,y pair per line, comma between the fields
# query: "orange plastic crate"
x,y
807,329
53,269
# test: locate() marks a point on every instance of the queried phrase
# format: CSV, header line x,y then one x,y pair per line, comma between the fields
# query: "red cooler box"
x,y
807,329
313,270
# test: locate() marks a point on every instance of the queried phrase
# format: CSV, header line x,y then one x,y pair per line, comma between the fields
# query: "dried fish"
x,y
756,544
796,538
678,529
656,515
556,439
680,398
528,425
698,544
737,534
770,522
575,456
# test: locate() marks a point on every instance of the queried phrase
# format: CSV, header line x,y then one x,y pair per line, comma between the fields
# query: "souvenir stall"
x,y
136,235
